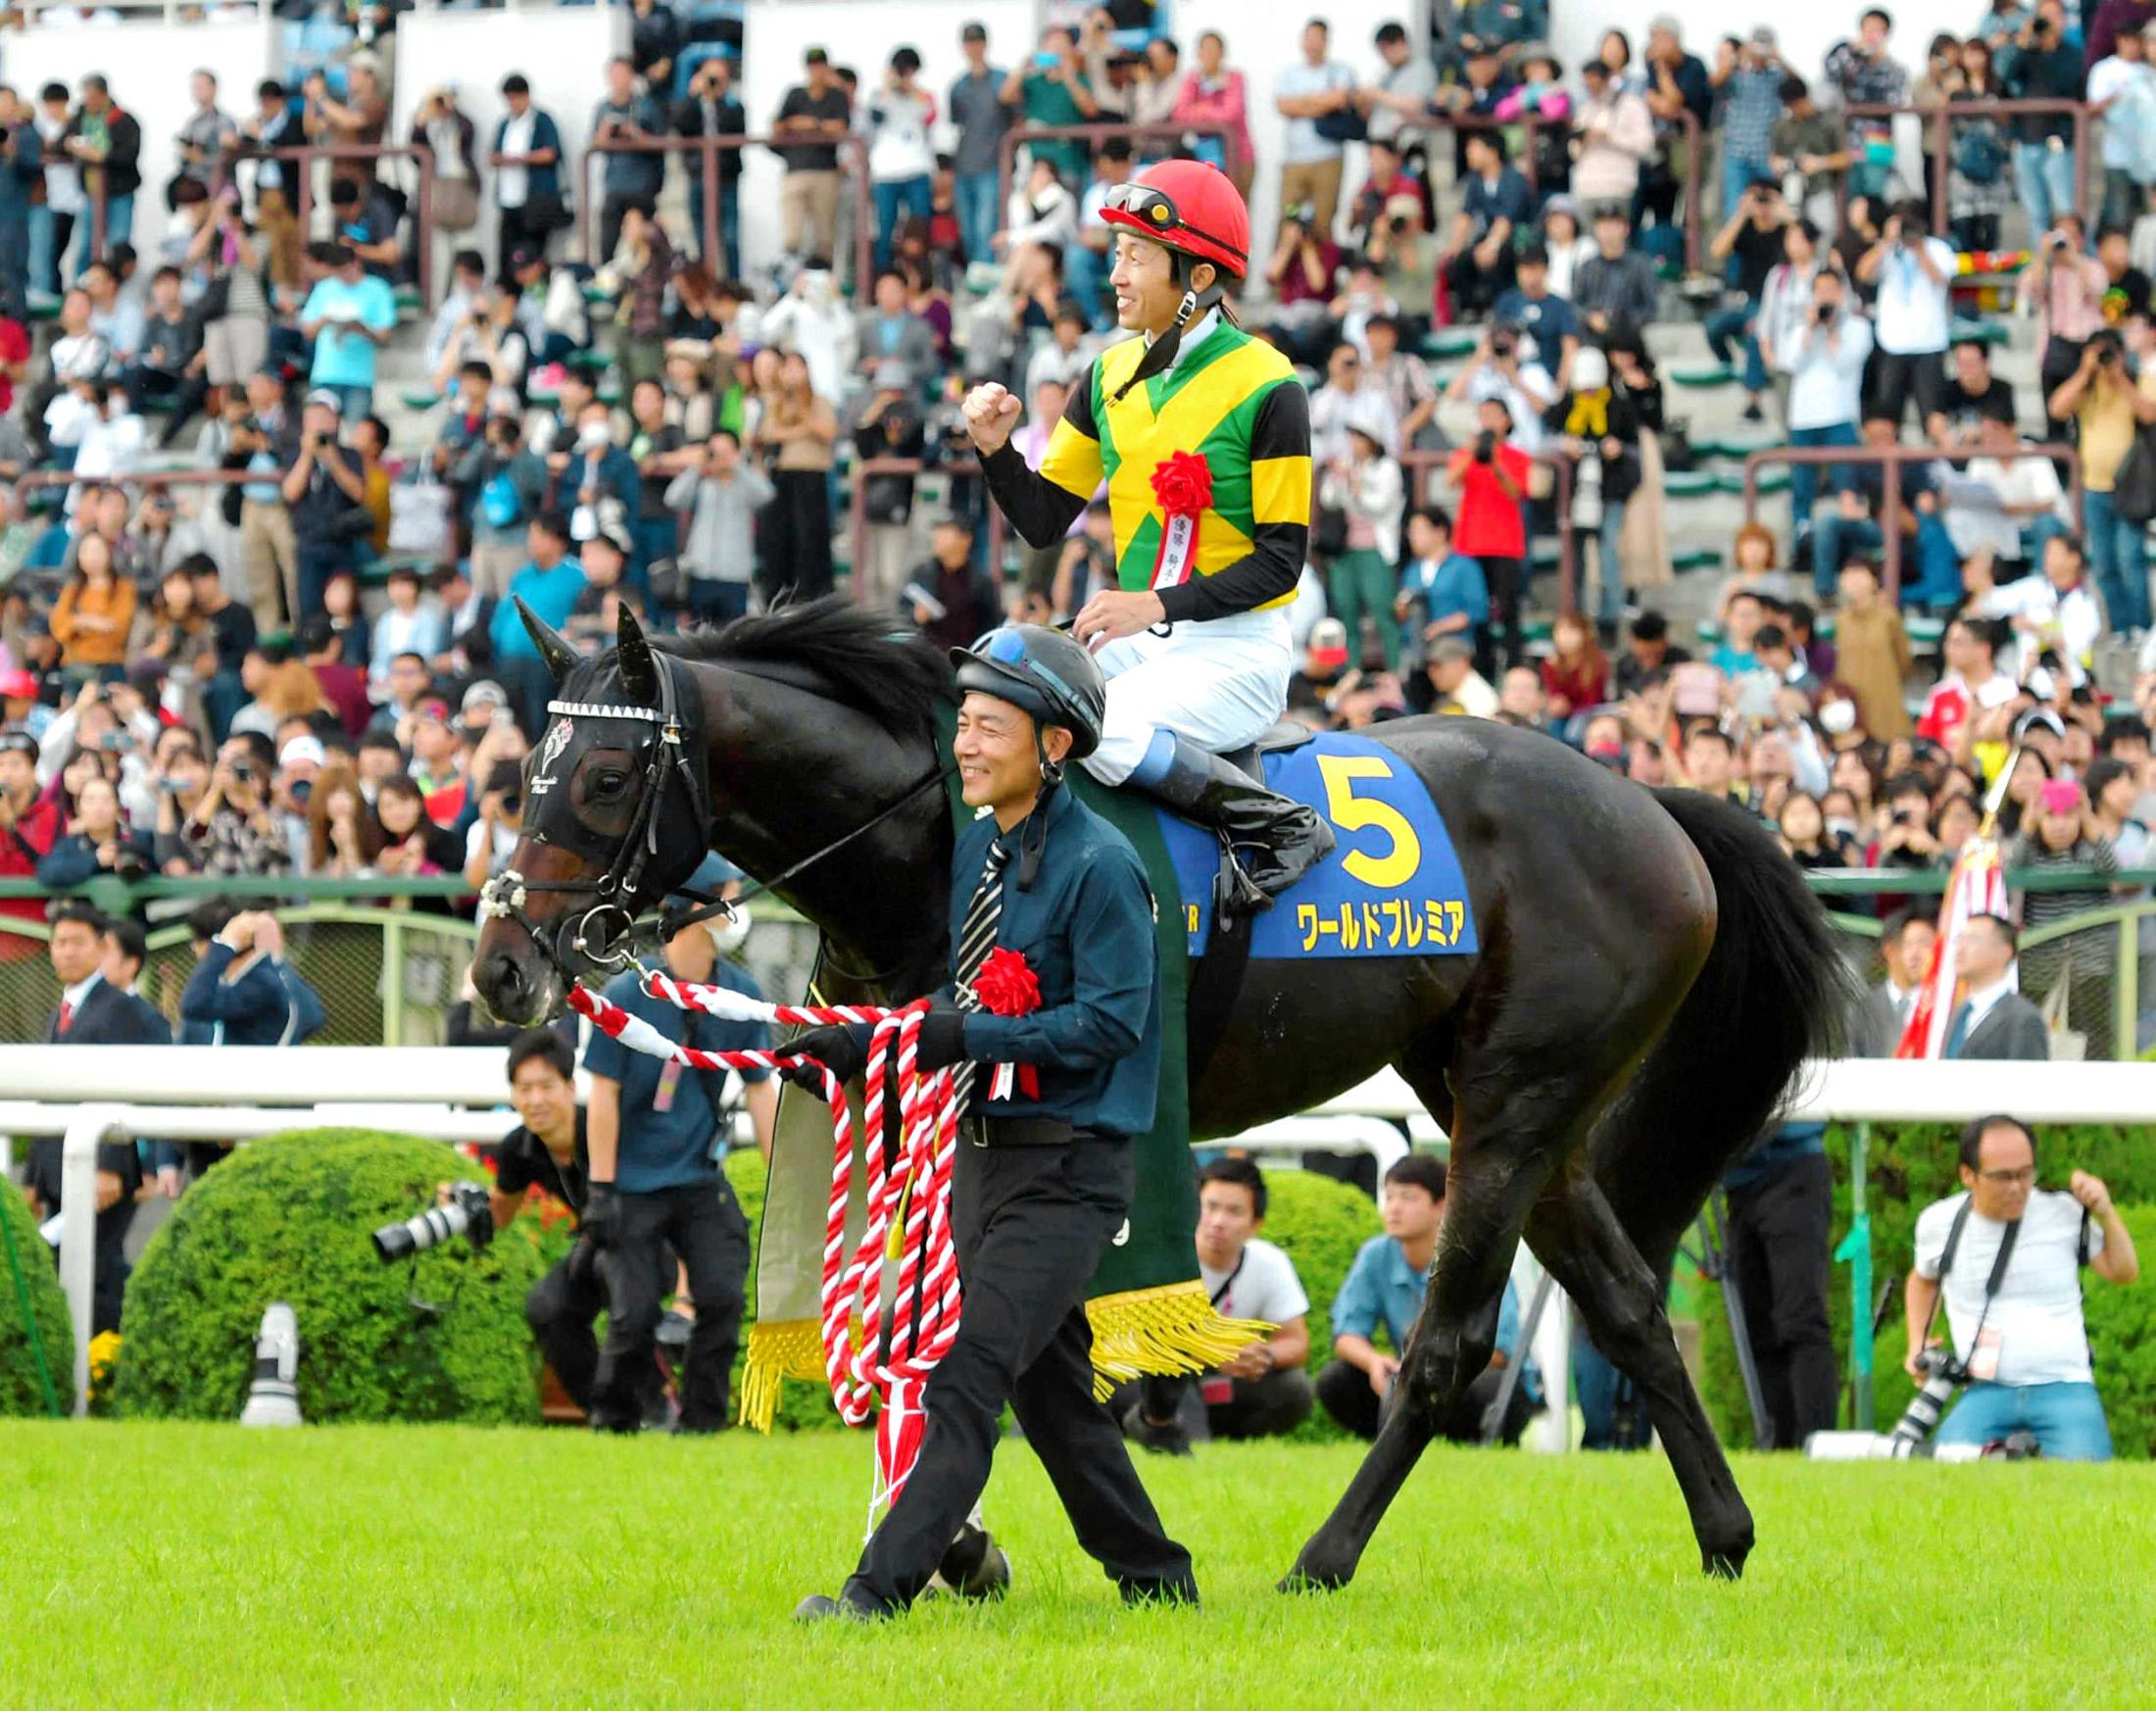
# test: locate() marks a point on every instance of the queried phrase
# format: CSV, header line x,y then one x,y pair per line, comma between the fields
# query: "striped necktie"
x,y
976,939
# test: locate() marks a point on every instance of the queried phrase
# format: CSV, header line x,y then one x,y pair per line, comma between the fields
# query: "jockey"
x,y
1202,435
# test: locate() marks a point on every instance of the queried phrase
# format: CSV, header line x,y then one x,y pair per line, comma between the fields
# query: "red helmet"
x,y
1188,206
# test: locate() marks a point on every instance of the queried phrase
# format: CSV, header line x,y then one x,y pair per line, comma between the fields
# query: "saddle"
x,y
1250,759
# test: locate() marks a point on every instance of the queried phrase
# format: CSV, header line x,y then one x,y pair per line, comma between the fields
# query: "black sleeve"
x,y
1278,548
1040,510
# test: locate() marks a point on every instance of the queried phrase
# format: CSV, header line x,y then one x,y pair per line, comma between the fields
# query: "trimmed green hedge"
x,y
289,1219
32,1276
1319,1224
1911,1166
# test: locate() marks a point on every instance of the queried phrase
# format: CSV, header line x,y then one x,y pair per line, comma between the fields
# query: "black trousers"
x,y
1498,644
561,1310
1345,1393
703,1223
1030,1224
518,230
1778,1254
796,534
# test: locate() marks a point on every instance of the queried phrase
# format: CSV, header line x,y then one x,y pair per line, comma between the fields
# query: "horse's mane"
x,y
897,679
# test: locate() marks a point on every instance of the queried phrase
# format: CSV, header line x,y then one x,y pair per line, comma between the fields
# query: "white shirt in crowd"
x,y
1827,375
1977,496
2038,1311
1913,313
1265,1288
2071,622
513,184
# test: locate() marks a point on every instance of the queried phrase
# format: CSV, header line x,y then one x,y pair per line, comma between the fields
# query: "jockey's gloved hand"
x,y
601,1222
943,1036
840,1047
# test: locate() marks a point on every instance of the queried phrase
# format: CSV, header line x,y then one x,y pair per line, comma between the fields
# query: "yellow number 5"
x,y
1351,813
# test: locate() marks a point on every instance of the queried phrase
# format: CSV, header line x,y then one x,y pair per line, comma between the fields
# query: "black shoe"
x,y
974,1567
1753,411
1268,841
1168,1440
818,1608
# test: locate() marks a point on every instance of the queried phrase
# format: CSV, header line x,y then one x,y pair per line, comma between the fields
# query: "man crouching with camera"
x,y
548,1151
2008,1258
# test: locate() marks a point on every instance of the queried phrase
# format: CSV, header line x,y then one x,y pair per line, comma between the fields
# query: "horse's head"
x,y
617,815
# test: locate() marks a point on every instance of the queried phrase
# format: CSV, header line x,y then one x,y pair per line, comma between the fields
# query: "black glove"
x,y
943,1039
842,1048
601,1222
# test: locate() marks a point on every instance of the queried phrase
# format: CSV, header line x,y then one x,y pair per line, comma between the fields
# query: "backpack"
x,y
501,506
1979,156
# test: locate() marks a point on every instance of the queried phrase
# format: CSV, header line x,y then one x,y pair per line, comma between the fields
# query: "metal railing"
x,y
300,159
853,166
1890,512
1418,465
1939,120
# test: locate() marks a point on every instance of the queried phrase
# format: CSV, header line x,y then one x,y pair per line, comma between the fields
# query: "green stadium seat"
x,y
1700,375
1928,632
1697,558
1688,483
1984,332
408,298
1451,341
1774,478
419,400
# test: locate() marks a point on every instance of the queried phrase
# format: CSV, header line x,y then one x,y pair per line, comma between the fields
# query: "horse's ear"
x,y
561,657
633,659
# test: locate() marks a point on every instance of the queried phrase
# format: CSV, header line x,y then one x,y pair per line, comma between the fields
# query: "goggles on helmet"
x,y
1156,212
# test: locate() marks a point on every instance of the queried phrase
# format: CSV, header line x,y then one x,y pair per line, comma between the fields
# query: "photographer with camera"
x,y
549,1149
2007,1257
1912,272
231,831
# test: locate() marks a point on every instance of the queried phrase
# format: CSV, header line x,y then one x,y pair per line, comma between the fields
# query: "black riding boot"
x,y
1277,840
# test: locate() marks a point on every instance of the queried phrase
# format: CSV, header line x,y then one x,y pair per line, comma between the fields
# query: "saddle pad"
x,y
1392,886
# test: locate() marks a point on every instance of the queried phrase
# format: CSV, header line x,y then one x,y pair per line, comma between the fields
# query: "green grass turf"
x,y
199,1566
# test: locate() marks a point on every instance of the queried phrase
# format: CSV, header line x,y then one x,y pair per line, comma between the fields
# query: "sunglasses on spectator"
x,y
2009,1177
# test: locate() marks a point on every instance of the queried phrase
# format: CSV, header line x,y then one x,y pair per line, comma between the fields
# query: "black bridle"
x,y
664,756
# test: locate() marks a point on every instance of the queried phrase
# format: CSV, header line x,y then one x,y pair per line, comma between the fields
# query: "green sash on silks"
x,y
1150,1312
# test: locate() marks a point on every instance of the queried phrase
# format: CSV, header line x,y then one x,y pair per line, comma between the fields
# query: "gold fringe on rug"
x,y
784,1348
1169,1329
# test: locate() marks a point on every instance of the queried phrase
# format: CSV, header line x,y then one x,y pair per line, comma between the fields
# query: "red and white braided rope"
x,y
925,1306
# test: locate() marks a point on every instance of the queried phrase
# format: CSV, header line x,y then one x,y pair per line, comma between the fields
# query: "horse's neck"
x,y
791,774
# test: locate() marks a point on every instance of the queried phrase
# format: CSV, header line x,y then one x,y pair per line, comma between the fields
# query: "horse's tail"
x,y
1773,992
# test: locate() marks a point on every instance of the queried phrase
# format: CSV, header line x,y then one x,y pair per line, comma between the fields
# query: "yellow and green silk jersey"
x,y
1233,400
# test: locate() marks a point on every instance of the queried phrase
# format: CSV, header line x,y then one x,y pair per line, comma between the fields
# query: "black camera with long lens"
x,y
466,1212
1944,1376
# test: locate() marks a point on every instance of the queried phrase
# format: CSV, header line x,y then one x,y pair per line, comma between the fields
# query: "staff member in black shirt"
x,y
548,1151
1043,1176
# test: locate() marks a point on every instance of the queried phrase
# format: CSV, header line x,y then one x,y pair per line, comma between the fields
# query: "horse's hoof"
x,y
1725,1565
1306,1577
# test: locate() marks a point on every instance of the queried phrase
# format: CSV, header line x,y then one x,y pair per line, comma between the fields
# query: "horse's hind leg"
x,y
1501,1159
1578,1239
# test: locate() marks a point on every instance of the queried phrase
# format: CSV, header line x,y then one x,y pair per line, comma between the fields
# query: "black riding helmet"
x,y
1044,671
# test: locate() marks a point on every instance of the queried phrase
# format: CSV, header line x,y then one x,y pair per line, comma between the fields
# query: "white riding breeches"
x,y
1222,683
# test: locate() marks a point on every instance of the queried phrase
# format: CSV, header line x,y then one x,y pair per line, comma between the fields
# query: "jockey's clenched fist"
x,y
991,412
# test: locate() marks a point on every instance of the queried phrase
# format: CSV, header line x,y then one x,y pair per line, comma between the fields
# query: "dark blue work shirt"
x,y
1085,929
671,1134
1486,202
1547,319
267,1005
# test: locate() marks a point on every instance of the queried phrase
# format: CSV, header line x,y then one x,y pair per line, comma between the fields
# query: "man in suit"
x,y
1994,1021
1905,945
93,1011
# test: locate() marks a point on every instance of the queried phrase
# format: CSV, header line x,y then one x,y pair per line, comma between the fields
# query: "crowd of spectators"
x,y
315,669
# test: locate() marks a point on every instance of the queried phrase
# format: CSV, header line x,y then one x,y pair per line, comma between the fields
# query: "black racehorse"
x,y
1652,973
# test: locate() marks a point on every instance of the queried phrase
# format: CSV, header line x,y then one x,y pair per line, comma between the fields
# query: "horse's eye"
x,y
609,783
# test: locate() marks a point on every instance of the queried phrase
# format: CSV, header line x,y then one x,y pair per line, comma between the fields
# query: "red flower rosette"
x,y
1007,987
1182,482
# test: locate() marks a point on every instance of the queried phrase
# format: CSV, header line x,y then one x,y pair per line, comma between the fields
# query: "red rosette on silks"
x,y
1182,483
